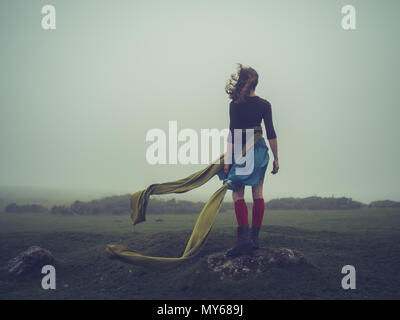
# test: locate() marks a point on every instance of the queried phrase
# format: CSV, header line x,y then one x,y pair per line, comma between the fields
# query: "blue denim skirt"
x,y
239,175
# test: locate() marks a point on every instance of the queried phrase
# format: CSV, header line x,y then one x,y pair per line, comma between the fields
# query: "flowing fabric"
x,y
140,199
258,163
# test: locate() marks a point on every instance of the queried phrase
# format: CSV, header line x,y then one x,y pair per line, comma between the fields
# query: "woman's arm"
x,y
274,147
271,135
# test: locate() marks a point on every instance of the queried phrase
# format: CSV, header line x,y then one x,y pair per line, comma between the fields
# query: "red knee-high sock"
x,y
241,213
258,212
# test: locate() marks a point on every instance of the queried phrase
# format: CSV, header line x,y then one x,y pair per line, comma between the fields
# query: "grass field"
x,y
367,238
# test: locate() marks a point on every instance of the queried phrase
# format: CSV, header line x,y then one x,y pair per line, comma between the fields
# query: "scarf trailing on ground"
x,y
140,199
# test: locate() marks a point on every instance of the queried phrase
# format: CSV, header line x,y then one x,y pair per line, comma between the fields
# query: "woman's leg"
x,y
243,243
240,207
239,194
258,205
258,190
257,214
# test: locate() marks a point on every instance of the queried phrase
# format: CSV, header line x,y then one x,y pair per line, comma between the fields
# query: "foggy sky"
x,y
77,102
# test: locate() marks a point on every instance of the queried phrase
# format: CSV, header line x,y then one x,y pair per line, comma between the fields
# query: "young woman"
x,y
247,110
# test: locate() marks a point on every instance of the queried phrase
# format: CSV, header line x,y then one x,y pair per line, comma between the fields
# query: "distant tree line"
x,y
313,203
384,204
31,208
120,205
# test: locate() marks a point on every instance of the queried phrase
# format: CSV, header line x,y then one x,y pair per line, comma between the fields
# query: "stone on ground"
x,y
257,261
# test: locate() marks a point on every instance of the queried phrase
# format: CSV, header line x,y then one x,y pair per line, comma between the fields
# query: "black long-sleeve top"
x,y
250,113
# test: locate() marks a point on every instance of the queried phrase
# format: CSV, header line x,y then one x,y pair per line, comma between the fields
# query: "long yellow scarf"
x,y
140,199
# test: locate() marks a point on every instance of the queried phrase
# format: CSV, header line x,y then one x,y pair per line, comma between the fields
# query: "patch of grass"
x,y
367,239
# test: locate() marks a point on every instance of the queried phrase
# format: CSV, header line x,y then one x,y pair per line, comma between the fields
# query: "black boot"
x,y
243,243
254,237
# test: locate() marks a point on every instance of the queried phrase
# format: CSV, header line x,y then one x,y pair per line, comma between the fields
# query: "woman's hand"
x,y
226,168
276,167
274,146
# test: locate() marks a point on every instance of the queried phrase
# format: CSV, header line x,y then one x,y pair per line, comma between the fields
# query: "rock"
x,y
30,261
255,262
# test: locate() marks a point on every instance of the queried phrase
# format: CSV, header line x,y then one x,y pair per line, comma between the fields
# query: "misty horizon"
x,y
76,106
